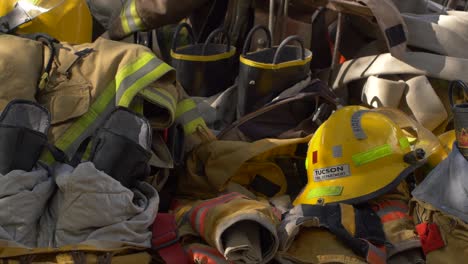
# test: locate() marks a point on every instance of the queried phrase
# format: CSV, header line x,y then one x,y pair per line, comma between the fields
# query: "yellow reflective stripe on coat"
x,y
160,97
131,21
128,81
188,116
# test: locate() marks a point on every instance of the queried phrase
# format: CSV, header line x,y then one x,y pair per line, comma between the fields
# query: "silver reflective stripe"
x,y
356,125
128,14
96,124
134,77
170,100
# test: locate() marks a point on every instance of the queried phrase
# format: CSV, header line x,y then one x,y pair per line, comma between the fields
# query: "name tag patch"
x,y
333,172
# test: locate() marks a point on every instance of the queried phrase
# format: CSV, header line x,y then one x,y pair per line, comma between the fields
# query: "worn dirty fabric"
x,y
389,21
14,68
296,112
242,229
268,167
446,187
105,10
346,235
218,110
453,232
407,93
23,200
403,244
201,253
92,208
441,34
316,245
142,15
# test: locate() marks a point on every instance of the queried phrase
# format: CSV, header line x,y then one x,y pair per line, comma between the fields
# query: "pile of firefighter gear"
x,y
216,135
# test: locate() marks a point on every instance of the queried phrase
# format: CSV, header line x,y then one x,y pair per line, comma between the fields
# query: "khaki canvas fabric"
x,y
454,232
217,110
144,15
407,93
398,226
92,208
105,10
14,68
87,81
68,256
388,18
23,199
378,92
91,76
211,166
316,245
413,6
445,35
242,229
414,63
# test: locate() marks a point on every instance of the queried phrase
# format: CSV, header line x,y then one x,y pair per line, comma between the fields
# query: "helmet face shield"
x,y
68,21
359,154
418,136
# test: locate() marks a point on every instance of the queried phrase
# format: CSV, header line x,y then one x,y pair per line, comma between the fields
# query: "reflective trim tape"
x,y
199,212
375,255
131,91
337,151
206,254
188,116
185,106
137,105
392,210
392,203
392,216
103,106
356,124
85,125
129,74
404,143
325,191
271,66
162,98
372,155
131,22
205,58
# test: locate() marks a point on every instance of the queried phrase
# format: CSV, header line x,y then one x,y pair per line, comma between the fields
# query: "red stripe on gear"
x,y
194,210
207,208
393,203
206,255
314,157
394,216
375,255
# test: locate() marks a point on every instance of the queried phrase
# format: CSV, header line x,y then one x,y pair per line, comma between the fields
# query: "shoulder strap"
x,y
49,42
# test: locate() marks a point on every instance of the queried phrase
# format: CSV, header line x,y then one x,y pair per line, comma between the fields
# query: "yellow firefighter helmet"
x,y
65,20
359,154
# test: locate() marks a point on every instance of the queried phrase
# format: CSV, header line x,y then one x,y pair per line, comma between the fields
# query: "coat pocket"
x,y
66,98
